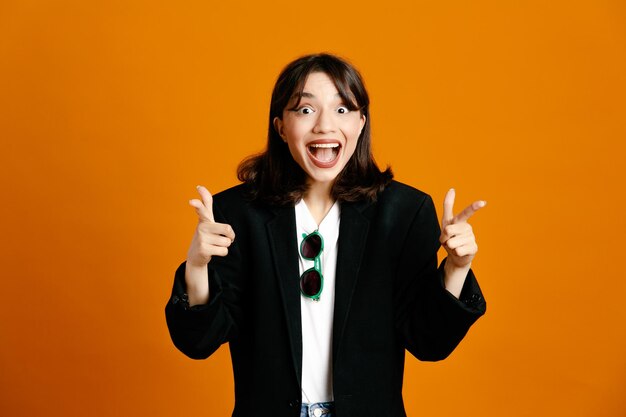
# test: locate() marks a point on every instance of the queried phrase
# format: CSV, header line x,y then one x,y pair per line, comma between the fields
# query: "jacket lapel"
x,y
353,230
284,247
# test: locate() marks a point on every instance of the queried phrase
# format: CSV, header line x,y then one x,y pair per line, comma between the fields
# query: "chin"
x,y
323,177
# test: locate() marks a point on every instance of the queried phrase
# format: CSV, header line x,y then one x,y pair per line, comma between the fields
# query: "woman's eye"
x,y
305,110
342,110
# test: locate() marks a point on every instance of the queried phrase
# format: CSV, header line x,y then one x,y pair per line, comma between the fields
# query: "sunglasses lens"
x,y
311,246
310,283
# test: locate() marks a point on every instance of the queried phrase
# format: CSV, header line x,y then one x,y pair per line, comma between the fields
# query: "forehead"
x,y
318,84
319,81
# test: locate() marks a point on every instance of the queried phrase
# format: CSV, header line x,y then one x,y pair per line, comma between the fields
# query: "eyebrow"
x,y
299,96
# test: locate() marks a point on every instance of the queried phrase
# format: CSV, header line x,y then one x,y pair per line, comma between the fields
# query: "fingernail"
x,y
197,187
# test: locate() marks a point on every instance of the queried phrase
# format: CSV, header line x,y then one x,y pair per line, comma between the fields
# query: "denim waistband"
x,y
317,410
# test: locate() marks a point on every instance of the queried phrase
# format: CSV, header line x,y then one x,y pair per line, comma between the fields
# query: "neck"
x,y
319,200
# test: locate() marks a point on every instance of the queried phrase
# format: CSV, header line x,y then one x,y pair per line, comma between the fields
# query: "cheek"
x,y
353,140
294,150
352,135
355,127
352,147
294,133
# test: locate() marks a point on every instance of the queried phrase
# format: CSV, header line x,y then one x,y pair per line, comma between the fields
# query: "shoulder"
x,y
232,195
235,205
401,210
230,203
400,194
402,204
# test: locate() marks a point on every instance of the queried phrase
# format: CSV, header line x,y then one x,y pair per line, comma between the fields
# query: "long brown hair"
x,y
274,177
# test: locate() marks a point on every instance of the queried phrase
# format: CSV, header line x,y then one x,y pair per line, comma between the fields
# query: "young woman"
x,y
319,270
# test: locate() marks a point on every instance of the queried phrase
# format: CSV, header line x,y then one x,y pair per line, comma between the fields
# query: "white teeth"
x,y
324,145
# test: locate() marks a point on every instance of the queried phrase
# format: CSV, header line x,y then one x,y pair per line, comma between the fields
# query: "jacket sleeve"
x,y
430,320
199,331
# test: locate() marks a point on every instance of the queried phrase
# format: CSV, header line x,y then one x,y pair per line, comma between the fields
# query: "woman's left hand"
x,y
457,236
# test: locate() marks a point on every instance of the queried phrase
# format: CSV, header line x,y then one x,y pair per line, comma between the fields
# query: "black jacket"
x,y
389,296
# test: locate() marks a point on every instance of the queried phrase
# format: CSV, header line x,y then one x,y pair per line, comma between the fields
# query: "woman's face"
x,y
321,132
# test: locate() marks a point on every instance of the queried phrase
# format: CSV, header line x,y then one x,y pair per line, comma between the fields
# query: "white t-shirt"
x,y
317,316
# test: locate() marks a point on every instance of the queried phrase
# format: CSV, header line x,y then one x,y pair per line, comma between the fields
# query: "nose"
x,y
325,122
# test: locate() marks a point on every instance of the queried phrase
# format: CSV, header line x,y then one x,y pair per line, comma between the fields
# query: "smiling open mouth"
x,y
325,153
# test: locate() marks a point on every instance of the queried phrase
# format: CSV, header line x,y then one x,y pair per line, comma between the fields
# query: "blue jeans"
x,y
317,410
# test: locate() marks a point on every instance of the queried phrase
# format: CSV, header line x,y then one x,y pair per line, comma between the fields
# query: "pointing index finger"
x,y
206,212
469,211
448,205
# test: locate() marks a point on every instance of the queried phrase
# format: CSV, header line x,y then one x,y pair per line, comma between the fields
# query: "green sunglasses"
x,y
312,280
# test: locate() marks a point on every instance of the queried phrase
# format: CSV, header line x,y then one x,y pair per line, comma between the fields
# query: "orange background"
x,y
111,113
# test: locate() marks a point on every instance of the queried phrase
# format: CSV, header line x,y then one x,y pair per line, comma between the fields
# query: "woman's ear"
x,y
278,126
363,120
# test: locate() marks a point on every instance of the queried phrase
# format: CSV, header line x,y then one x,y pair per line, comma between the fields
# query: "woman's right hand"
x,y
210,239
